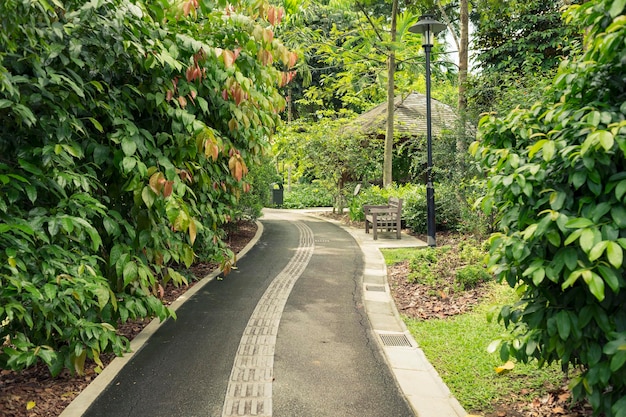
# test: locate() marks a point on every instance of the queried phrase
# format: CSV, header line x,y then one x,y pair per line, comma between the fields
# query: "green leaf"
x,y
615,254
587,240
614,346
204,106
571,279
620,190
617,7
111,226
529,231
573,236
536,147
548,150
618,360
101,154
554,237
148,196
46,6
579,223
618,214
596,286
91,231
579,178
79,362
598,250
130,273
128,163
128,146
31,192
68,224
602,137
610,277
563,324
619,408
115,254
557,199
96,124
47,355
102,294
188,256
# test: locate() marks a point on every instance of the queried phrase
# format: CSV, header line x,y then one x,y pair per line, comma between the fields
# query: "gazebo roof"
x,y
409,117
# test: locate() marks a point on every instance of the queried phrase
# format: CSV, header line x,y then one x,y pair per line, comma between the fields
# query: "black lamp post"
x,y
428,27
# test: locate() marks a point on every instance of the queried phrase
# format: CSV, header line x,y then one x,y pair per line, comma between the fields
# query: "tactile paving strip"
x,y
249,390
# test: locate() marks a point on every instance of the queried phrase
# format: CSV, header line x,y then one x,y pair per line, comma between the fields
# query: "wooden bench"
x,y
387,217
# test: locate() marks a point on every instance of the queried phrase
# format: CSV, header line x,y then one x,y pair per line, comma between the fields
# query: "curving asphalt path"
x,y
286,334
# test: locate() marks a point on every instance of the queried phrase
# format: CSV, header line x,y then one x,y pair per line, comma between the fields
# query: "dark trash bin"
x,y
277,194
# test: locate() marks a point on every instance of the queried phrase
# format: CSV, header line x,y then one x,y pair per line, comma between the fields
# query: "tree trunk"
x,y
461,144
463,56
391,62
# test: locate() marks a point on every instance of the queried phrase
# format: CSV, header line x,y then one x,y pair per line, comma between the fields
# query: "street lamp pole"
x,y
428,27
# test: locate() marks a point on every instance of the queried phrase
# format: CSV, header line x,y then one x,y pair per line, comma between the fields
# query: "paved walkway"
x,y
304,327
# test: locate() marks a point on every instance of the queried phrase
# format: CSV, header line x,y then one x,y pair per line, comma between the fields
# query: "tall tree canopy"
x,y
518,46
511,34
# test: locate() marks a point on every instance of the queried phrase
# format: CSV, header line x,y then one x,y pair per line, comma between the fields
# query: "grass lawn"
x,y
457,348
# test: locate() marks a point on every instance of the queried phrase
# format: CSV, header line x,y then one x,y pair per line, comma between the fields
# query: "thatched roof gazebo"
x,y
410,132
409,118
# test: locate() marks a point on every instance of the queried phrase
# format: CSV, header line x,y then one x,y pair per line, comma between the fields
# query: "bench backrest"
x,y
395,203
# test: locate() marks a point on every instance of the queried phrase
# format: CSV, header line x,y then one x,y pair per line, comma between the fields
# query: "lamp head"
x,y
428,27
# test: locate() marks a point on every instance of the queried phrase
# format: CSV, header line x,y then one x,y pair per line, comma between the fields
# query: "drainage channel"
x,y
395,340
249,390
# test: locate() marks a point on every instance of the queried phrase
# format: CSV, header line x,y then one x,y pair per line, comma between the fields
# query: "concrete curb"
x,y
420,383
81,403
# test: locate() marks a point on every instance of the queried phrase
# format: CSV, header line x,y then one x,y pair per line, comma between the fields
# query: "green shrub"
x,y
471,275
451,207
423,266
557,182
261,177
473,219
448,207
308,195
126,132
470,252
373,195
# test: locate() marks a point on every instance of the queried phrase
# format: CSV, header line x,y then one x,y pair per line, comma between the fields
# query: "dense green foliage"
x,y
327,152
520,44
557,180
315,194
510,35
126,132
453,206
345,45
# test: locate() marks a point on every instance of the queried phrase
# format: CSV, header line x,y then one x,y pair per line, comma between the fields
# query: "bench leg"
x,y
375,226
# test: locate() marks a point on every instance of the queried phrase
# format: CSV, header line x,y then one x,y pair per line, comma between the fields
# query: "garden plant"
x,y
556,179
127,132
